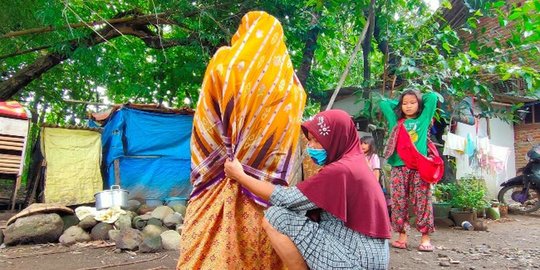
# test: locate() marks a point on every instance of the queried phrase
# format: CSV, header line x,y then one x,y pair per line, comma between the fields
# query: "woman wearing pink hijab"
x,y
336,219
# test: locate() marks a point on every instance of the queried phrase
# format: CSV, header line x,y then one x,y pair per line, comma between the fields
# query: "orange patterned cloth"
x,y
250,107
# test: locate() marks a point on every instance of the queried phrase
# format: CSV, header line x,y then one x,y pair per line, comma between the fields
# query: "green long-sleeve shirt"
x,y
417,127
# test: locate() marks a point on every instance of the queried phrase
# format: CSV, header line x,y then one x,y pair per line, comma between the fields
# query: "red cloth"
x,y
345,186
430,167
12,109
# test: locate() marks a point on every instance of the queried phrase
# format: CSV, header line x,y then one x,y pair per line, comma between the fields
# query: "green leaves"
x,y
424,52
467,193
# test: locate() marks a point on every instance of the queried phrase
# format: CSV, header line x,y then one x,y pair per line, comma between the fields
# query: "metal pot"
x,y
111,197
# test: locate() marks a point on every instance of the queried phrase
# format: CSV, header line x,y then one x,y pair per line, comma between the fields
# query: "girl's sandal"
x,y
399,244
426,247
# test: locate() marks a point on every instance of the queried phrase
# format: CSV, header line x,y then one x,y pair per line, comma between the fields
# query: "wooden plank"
x,y
7,147
12,139
15,190
16,127
9,165
9,157
10,161
9,170
117,172
8,143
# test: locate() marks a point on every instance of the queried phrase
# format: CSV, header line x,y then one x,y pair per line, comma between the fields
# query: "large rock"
x,y
145,209
88,222
179,209
155,221
114,234
123,222
161,212
150,244
129,239
73,235
70,220
172,220
41,228
101,231
133,205
170,240
1,236
131,214
152,230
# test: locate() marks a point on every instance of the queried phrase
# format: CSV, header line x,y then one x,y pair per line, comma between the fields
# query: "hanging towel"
x,y
470,146
454,145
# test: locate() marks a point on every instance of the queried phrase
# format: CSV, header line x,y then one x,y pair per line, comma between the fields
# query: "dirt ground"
x,y
511,243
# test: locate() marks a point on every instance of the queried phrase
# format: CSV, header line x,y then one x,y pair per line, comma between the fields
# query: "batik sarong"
x,y
250,107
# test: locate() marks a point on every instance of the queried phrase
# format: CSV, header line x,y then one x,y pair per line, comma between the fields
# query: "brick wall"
x,y
523,133
494,31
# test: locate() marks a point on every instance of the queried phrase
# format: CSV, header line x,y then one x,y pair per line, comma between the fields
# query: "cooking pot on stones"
x,y
111,197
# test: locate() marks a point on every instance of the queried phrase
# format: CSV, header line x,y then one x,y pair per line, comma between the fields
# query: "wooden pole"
x,y
88,102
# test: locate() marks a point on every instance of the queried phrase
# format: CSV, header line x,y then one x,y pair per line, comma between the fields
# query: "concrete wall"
x,y
348,104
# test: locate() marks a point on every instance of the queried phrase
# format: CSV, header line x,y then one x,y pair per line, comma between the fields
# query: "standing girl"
x,y
417,112
367,144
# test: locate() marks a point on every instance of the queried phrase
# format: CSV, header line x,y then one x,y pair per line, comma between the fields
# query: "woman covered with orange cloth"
x,y
250,108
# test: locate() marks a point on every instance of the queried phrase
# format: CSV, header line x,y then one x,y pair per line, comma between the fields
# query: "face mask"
x,y
317,155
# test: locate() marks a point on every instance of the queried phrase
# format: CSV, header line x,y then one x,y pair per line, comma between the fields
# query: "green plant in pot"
x,y
442,203
468,196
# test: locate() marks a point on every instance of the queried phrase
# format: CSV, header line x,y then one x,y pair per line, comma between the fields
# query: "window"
x,y
534,114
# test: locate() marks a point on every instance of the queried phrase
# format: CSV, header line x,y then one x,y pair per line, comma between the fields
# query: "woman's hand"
x,y
233,169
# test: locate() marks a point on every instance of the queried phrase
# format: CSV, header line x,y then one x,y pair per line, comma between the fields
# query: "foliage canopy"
x,y
409,43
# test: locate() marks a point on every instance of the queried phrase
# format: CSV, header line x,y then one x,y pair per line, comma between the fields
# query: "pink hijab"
x,y
345,186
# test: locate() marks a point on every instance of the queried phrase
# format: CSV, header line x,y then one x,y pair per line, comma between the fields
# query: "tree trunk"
x,y
309,49
22,78
366,49
383,46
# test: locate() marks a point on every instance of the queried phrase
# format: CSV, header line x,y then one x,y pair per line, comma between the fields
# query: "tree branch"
x,y
135,26
159,16
24,51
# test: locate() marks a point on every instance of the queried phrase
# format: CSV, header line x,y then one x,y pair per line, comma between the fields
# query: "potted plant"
x,y
468,196
442,203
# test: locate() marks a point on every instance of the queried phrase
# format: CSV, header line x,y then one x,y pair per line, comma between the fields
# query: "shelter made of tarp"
x,y
73,159
148,152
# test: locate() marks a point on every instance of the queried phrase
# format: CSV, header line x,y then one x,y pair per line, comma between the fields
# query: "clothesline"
x,y
478,152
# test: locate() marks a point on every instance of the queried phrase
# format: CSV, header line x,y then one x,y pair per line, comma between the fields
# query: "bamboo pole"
x,y
353,56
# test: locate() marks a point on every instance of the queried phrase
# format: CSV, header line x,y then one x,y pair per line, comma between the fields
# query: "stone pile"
x,y
140,227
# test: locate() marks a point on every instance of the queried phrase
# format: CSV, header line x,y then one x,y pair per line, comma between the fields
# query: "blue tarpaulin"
x,y
153,152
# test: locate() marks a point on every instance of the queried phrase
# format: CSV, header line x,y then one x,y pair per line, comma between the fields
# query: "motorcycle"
x,y
522,193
